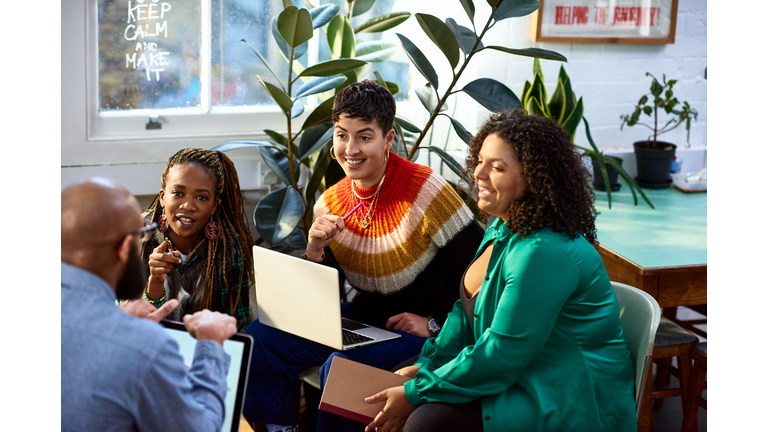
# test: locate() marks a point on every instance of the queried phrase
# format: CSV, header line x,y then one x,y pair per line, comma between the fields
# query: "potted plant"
x,y
654,157
564,108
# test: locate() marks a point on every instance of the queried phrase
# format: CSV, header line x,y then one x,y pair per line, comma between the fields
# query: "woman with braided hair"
x,y
201,254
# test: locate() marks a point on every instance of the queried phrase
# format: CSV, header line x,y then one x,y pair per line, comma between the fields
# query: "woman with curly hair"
x,y
201,254
535,342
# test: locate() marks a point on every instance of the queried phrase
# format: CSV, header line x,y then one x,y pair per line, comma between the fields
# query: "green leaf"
x,y
656,88
556,105
469,8
526,93
321,114
648,110
493,3
570,97
535,107
461,131
515,9
322,14
362,6
428,98
295,26
449,161
407,125
419,60
492,95
264,61
383,23
376,51
283,45
393,88
314,138
379,79
279,96
276,137
319,85
240,144
278,163
441,35
466,37
536,53
318,171
539,92
278,214
332,67
537,70
572,122
341,38
297,110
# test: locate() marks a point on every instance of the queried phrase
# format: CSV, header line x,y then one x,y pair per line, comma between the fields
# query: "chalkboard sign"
x,y
149,54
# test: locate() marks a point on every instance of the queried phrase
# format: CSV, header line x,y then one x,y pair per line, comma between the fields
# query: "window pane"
x,y
149,54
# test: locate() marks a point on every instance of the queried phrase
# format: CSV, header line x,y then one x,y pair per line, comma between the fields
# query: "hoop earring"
x,y
386,158
333,156
212,229
162,223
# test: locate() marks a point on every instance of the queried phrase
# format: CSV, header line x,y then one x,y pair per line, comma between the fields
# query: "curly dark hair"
x,y
558,195
368,101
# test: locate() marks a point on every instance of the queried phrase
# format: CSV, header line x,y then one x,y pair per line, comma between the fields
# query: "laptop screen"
x,y
239,349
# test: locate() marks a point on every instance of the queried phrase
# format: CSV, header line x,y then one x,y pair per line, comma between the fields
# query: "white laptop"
x,y
302,298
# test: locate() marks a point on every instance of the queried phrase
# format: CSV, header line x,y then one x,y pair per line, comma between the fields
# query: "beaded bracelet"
x,y
322,257
155,302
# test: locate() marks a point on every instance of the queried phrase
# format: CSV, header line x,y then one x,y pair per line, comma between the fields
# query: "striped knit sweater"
x,y
418,214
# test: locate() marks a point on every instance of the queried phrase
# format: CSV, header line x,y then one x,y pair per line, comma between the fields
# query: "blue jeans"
x,y
274,386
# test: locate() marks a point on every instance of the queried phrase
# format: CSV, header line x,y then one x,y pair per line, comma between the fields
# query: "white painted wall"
x,y
610,78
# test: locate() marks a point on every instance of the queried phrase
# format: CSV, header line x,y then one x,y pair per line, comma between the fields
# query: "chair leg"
x,y
662,380
691,409
684,366
644,421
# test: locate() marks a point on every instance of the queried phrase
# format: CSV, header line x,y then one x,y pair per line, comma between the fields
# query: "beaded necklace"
x,y
369,216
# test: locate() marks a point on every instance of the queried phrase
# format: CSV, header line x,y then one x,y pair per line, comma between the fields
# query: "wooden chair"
x,y
689,324
672,341
697,384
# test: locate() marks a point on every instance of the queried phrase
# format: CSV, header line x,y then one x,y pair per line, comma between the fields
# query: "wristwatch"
x,y
433,326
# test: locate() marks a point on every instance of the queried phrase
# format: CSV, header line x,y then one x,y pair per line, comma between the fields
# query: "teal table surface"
x,y
672,234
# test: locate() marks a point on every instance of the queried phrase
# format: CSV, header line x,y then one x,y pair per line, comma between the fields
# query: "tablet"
x,y
239,349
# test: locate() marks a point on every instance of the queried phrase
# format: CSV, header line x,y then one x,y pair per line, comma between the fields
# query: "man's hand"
x,y
143,309
408,371
396,410
409,323
207,325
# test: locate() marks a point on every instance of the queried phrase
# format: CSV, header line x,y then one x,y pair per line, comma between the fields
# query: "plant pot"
x,y
613,176
653,165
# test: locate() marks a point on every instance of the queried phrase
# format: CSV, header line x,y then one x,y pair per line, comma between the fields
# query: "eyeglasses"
x,y
146,233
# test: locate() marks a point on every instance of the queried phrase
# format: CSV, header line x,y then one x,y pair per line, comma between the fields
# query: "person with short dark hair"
x,y
403,251
118,372
535,342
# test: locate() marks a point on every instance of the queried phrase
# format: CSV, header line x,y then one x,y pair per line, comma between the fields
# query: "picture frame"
x,y
605,21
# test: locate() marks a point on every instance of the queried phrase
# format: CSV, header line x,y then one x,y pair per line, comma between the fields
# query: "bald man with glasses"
x,y
120,372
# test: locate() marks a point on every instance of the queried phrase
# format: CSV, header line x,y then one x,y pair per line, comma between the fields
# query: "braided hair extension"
x,y
558,195
229,214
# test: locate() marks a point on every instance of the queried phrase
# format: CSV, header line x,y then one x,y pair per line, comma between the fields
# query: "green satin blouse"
x,y
547,352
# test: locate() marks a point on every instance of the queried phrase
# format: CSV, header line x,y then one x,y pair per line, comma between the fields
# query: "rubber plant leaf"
x,y
469,8
278,163
536,53
376,51
428,98
362,6
332,67
441,35
461,131
492,95
277,137
419,60
314,138
285,48
322,14
407,124
318,85
515,9
466,37
278,214
341,38
297,110
321,114
383,23
278,95
318,171
264,61
449,161
295,26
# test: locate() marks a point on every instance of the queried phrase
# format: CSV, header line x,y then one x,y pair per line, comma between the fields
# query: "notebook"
x,y
349,383
302,298
239,349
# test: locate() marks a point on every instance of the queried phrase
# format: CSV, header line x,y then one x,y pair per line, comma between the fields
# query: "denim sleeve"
x,y
174,399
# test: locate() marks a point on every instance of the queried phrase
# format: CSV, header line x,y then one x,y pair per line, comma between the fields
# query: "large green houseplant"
x,y
568,111
654,157
303,152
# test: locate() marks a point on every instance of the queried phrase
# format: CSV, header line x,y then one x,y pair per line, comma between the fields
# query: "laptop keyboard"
x,y
351,338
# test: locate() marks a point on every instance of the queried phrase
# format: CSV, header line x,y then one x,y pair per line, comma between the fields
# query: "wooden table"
x,y
662,251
